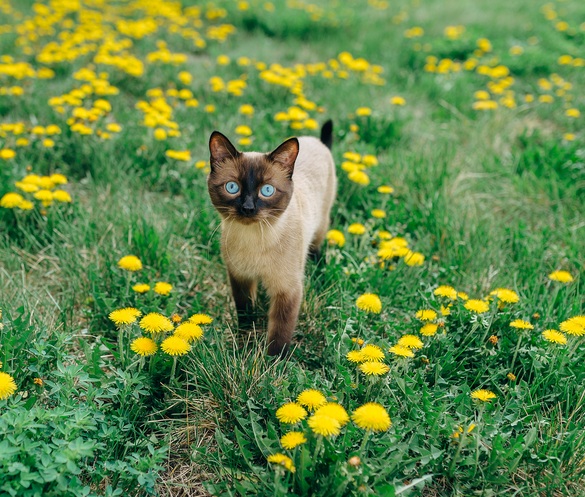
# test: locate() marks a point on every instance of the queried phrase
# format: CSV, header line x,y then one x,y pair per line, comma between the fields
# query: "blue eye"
x,y
267,190
232,187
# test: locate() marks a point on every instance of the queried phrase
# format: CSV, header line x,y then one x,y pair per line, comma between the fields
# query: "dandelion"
x,y
292,439
11,200
7,386
125,316
291,413
243,130
189,331
493,339
62,196
311,399
155,322
369,302
446,291
385,189
401,351
429,329
372,353
355,356
282,460
477,306
378,213
426,315
163,288
141,288
369,160
554,336
561,276
574,326
519,324
372,417
246,110
335,411
483,395
505,295
359,177
324,425
363,111
356,229
200,319
336,237
511,376
373,368
130,263
414,259
396,100
144,346
175,346
411,342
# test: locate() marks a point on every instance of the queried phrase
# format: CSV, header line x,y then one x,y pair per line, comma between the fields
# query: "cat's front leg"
x,y
282,317
244,293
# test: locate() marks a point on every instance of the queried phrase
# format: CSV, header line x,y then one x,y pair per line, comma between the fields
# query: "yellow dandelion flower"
x,y
130,263
477,306
125,316
352,156
243,130
369,302
429,329
62,196
292,439
372,352
356,229
144,346
355,356
410,341
396,100
11,200
372,417
336,237
189,331
554,336
574,326
401,351
414,259
282,460
291,413
369,160
335,411
311,399
373,368
505,295
155,322
446,310
426,315
386,189
7,386
324,425
58,179
141,288
163,288
359,177
483,395
519,324
561,276
462,295
446,291
175,345
363,111
378,213
246,110
200,319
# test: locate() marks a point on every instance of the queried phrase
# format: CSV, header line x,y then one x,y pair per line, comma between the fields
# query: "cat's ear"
x,y
286,155
221,149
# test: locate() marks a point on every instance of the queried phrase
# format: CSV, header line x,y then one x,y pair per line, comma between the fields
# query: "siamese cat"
x,y
275,211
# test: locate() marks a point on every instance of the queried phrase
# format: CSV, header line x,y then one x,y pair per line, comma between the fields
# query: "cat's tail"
x,y
327,134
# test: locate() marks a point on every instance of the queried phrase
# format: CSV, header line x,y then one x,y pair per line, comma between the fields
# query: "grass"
x,y
491,198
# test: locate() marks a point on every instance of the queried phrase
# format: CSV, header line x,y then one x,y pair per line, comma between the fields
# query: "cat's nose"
x,y
248,206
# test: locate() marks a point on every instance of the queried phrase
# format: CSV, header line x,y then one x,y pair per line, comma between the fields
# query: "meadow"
x,y
440,349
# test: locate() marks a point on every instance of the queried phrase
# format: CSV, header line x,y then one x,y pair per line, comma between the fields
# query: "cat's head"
x,y
250,187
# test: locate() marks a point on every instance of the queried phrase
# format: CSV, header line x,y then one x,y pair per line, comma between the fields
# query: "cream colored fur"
x,y
275,252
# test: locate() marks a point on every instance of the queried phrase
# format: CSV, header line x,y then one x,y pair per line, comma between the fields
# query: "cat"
x,y
275,210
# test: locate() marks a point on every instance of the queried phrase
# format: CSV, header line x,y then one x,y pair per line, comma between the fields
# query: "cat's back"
x,y
314,167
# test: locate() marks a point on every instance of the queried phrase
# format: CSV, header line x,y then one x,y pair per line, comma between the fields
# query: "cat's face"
x,y
250,187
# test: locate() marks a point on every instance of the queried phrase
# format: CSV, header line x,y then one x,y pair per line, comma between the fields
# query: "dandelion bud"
x,y
354,461
511,376
493,339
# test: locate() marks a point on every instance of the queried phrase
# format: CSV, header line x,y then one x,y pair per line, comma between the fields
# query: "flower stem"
x,y
173,369
516,352
362,450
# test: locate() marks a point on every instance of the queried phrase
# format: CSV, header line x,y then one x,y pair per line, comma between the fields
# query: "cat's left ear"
x,y
286,155
221,149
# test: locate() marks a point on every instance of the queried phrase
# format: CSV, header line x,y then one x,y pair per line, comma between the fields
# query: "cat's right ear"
x,y
221,149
